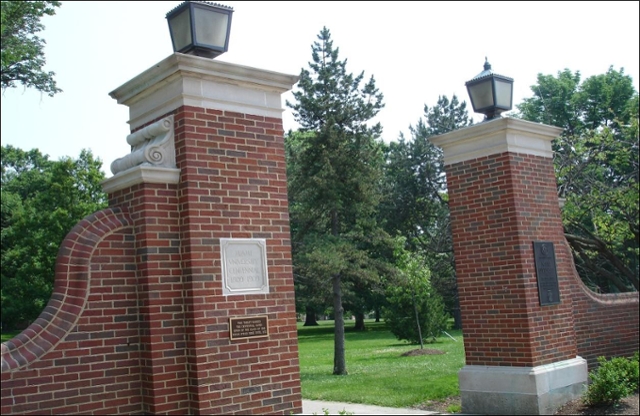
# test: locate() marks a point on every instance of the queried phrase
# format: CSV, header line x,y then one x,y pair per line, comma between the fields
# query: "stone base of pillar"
x,y
541,390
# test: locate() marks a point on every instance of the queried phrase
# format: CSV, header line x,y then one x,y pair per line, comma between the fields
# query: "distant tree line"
x,y
369,220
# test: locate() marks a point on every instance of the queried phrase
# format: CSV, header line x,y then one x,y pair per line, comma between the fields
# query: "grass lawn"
x,y
6,336
378,373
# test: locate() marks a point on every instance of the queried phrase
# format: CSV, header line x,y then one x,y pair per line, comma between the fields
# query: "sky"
x,y
416,51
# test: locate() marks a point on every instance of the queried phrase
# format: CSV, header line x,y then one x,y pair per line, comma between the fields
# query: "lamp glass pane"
x,y
211,27
503,94
181,30
481,95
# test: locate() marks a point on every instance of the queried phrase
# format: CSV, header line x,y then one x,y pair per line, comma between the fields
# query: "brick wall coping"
x,y
70,292
201,82
497,136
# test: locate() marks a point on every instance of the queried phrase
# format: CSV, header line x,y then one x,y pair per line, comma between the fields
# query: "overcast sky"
x,y
416,51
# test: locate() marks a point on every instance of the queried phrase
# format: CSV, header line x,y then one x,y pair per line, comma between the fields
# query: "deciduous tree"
x,y
415,311
596,162
22,51
416,204
41,201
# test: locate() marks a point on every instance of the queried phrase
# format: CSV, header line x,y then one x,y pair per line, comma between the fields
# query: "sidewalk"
x,y
311,407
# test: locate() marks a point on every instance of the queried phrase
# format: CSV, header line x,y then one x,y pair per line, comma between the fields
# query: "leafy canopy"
x,y
22,51
596,163
415,311
415,205
41,201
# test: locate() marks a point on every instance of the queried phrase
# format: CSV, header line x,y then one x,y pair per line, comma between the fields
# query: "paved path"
x,y
311,407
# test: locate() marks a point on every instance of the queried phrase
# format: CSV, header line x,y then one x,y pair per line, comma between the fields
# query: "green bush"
x,y
412,296
612,380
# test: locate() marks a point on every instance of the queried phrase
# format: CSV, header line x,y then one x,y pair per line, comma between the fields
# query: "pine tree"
x,y
334,176
415,204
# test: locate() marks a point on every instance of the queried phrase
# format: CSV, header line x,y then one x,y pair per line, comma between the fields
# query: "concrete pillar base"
x,y
541,390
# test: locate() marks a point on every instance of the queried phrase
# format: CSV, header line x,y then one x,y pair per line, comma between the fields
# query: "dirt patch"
x,y
440,406
422,351
626,406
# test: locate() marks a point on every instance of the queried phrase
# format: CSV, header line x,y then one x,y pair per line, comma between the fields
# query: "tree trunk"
x,y
310,319
377,312
415,309
457,316
359,321
339,360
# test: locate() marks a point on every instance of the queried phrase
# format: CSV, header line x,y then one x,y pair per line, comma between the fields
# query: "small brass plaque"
x,y
545,260
248,327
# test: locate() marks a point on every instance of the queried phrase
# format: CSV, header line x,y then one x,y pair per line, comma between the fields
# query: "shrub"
x,y
612,380
411,295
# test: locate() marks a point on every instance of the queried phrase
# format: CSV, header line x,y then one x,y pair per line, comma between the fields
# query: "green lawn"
x,y
378,373
6,336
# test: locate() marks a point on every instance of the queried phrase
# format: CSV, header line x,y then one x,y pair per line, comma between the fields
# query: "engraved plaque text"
x,y
546,272
248,327
244,266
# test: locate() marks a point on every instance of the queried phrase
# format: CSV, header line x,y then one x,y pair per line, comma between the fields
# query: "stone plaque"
x,y
248,327
244,266
545,259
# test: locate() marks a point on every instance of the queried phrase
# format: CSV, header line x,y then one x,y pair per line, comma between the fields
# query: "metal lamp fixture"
x,y
200,28
490,93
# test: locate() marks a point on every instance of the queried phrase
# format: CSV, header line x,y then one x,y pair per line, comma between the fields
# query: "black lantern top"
x,y
200,28
490,93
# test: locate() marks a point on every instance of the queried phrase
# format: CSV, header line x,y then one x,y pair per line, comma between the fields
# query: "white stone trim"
x,y
260,274
141,174
497,136
522,390
207,83
153,145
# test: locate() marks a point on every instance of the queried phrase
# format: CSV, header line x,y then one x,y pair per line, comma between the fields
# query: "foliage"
x,y
415,204
7,335
415,311
325,412
41,201
379,374
334,168
612,380
23,51
596,162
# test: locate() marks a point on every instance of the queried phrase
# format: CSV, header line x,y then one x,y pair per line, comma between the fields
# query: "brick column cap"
x,y
190,80
497,136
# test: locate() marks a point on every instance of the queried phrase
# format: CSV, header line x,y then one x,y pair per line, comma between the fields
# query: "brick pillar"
x,y
153,210
206,185
519,337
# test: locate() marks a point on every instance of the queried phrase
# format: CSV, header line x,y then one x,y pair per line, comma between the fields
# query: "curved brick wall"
x,y
605,324
76,357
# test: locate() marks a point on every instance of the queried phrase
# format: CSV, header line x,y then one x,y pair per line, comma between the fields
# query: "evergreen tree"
x,y
415,204
335,172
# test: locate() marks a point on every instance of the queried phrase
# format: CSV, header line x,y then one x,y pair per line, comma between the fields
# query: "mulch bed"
x,y
422,351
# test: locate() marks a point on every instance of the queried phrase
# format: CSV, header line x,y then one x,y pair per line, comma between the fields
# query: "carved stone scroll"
x,y
152,145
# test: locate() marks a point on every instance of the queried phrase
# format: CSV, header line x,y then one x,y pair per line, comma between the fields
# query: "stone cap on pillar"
x,y
497,136
191,80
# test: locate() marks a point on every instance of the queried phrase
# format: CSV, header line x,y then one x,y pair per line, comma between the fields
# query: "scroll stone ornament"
x,y
152,145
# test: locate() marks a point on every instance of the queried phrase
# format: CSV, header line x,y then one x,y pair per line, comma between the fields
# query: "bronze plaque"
x,y
248,327
545,259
